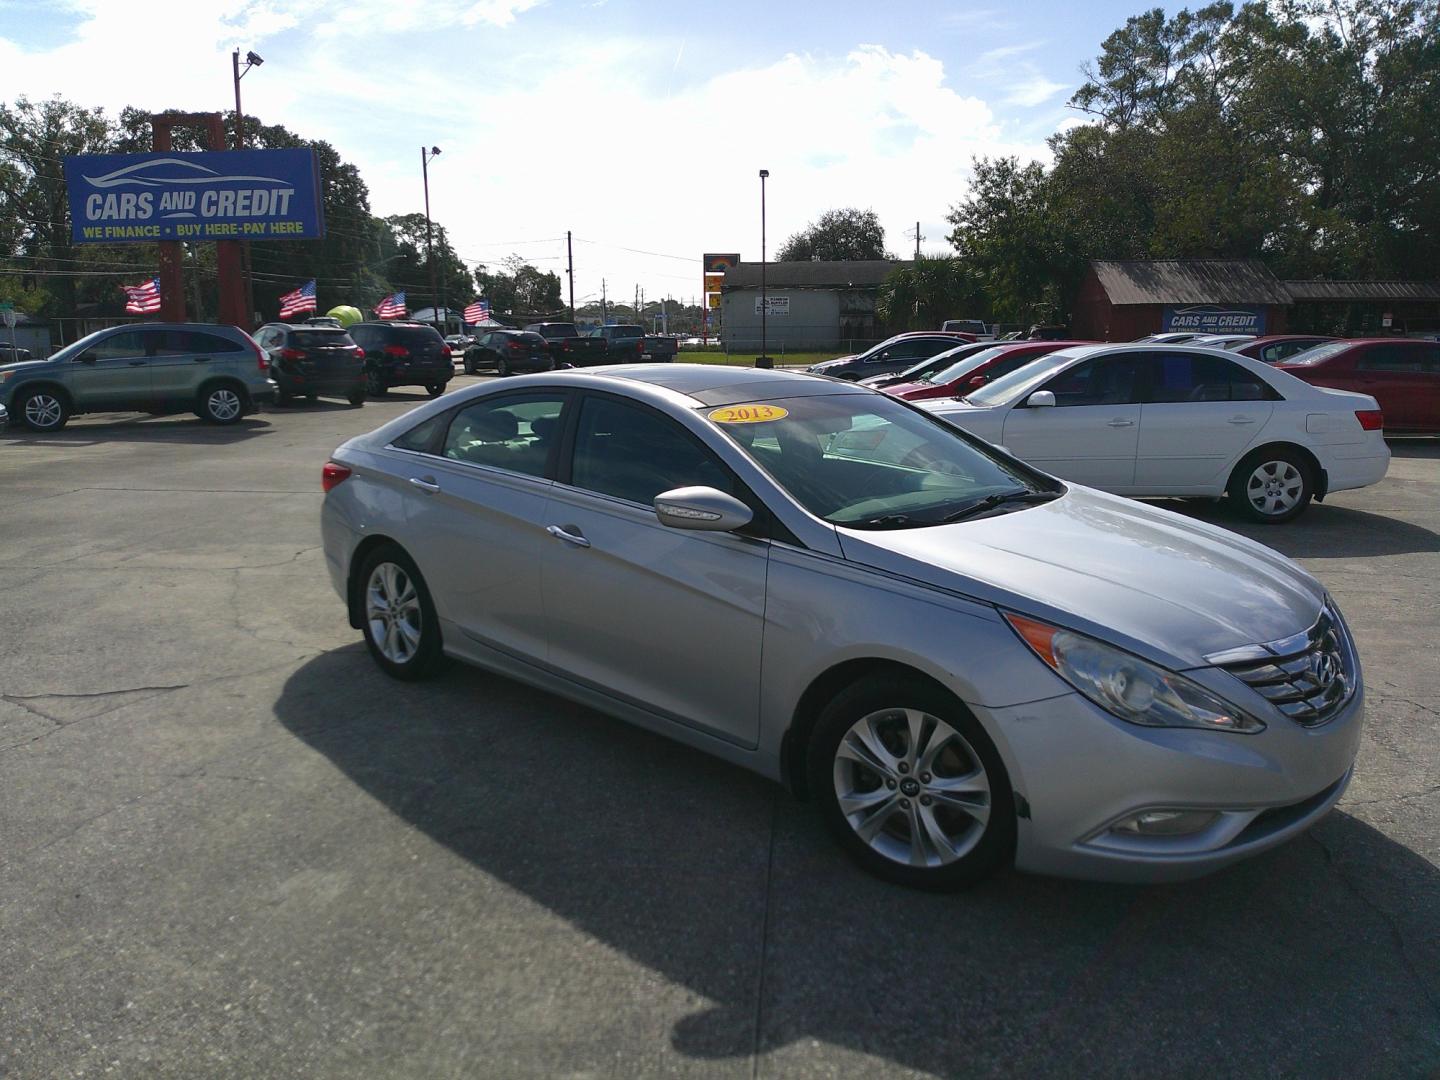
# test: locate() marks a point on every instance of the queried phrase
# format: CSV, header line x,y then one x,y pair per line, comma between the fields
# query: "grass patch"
x,y
738,359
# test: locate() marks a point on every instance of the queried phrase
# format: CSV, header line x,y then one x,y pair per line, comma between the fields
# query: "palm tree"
x,y
930,290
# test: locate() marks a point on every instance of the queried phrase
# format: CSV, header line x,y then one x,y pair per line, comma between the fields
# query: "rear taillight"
x,y
396,350
359,353
261,360
518,346
1370,419
291,354
333,475
445,352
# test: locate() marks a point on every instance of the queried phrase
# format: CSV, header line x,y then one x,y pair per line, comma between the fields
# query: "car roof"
x,y
712,384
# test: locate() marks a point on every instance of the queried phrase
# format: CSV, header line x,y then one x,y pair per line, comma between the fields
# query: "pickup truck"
x,y
568,347
628,343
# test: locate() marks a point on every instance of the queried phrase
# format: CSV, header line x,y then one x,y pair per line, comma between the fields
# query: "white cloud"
x,y
1033,90
596,144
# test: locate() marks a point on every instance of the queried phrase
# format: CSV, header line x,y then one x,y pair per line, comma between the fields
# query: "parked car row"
x,y
220,372
966,661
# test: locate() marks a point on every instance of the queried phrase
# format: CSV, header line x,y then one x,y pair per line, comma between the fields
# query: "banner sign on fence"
x,y
208,195
1211,319
778,305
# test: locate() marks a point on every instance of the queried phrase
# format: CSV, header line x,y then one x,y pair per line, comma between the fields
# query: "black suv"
x,y
309,360
508,351
404,354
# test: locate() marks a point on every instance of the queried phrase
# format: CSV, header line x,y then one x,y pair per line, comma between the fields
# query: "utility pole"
x,y
429,252
252,59
918,238
603,312
763,360
570,262
637,305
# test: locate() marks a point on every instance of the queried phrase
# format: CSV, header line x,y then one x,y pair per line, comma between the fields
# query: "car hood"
x,y
824,364
22,365
1160,584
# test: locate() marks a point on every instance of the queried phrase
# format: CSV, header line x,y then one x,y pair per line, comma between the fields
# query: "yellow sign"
x,y
713,299
748,414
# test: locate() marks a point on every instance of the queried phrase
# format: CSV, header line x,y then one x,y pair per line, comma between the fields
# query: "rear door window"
x,y
517,433
1187,377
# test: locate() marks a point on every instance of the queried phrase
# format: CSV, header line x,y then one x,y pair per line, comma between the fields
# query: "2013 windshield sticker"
x,y
747,414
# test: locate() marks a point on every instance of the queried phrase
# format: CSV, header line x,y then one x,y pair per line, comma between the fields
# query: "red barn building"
x,y
1121,301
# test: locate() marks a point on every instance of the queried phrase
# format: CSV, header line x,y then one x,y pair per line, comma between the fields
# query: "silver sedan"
x,y
962,661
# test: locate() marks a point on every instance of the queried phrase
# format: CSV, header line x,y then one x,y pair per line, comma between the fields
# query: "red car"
x,y
1402,374
1278,347
976,369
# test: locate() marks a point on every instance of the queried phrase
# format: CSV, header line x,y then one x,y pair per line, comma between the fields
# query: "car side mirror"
x,y
701,508
978,380
1041,399
86,359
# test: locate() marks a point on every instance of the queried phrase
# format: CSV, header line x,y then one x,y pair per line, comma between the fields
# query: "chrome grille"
x,y
1308,677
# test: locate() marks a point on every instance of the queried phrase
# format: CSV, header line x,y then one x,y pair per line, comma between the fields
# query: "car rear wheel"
x,y
375,385
502,367
312,399
356,398
1272,486
435,389
221,405
468,365
398,616
911,786
43,410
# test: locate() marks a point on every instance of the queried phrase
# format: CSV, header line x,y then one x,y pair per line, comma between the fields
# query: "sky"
x,y
639,125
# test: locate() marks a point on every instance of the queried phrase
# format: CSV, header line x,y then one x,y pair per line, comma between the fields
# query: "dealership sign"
x,y
209,195
1213,319
778,305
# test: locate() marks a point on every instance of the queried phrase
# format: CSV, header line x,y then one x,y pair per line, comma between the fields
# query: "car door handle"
x,y
569,537
1117,422
426,484
1241,420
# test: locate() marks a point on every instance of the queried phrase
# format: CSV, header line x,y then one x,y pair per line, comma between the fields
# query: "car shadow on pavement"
x,y
1419,447
1322,532
1318,958
84,431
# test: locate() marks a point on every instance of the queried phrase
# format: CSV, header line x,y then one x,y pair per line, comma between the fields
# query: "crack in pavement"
x,y
61,565
24,701
1402,946
1406,797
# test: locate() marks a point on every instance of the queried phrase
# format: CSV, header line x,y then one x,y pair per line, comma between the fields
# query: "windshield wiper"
x,y
1000,498
888,521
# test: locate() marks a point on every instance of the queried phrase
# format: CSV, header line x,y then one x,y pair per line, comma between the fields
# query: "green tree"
x,y
839,235
925,293
520,289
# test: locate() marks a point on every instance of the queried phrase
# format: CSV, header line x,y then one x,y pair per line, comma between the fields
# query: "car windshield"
x,y
875,349
1022,380
867,461
559,330
77,347
1318,354
309,339
968,364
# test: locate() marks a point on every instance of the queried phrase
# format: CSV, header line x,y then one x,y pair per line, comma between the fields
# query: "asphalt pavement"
x,y
229,846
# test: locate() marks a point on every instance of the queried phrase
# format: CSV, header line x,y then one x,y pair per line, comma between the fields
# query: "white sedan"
x,y
1179,420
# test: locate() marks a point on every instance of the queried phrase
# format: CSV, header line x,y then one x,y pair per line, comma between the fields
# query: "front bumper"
x,y
1079,770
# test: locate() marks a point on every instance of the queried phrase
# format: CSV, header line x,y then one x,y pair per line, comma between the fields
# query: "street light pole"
x,y
763,360
425,157
252,59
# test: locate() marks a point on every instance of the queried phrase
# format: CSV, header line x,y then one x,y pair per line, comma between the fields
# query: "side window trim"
x,y
764,520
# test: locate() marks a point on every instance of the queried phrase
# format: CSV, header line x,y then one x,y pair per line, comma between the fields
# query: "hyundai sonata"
x,y
963,661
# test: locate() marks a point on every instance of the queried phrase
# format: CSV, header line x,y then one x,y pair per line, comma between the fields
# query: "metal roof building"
x,y
812,305
1120,301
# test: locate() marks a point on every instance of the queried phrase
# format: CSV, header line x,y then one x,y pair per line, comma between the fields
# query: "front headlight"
x,y
1126,686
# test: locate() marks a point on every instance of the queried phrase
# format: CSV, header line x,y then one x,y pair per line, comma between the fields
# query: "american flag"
x,y
477,312
392,307
299,301
142,299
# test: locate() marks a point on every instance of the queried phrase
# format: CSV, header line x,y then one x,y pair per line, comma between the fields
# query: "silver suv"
x,y
217,371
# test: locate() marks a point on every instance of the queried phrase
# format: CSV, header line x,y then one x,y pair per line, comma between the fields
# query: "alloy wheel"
x,y
1275,487
223,404
43,411
392,612
911,787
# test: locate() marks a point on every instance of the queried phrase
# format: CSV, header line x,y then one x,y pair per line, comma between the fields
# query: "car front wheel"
x,y
43,410
1272,486
399,621
911,786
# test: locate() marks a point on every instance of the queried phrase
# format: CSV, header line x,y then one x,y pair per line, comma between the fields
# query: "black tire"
x,y
978,848
502,368
312,399
222,404
43,409
435,389
281,399
356,398
427,656
375,385
468,365
1272,486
